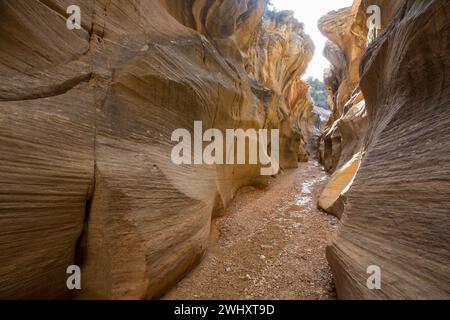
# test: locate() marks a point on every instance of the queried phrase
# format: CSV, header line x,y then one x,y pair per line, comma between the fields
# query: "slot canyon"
x,y
86,176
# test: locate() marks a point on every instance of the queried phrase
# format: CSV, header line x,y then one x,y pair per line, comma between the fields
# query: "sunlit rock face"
x,y
87,115
332,197
397,210
347,126
349,33
277,59
347,43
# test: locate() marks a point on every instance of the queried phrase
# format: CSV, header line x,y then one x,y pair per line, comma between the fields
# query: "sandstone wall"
x,y
85,137
397,210
349,36
343,143
281,35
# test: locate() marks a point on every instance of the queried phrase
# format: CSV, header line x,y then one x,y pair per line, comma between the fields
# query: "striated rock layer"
x,y
397,210
282,36
349,32
85,137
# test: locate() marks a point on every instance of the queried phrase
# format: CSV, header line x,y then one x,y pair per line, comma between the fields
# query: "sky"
x,y
309,12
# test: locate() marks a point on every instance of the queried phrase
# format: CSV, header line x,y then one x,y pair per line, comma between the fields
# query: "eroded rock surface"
x,y
350,32
397,210
85,136
281,35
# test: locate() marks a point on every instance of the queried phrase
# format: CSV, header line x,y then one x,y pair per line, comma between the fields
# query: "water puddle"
x,y
303,201
306,187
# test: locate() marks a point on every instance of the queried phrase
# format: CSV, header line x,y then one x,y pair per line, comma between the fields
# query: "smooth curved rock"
x,y
397,211
85,136
281,35
349,36
345,136
347,44
332,198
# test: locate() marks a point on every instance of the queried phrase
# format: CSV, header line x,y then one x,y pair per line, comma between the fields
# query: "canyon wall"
x,y
281,35
86,118
397,209
349,31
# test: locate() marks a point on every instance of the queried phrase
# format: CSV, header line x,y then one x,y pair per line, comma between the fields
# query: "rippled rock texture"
x,y
397,210
349,35
277,60
85,137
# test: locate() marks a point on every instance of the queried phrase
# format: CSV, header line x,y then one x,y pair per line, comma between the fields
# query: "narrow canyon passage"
x,y
269,244
123,132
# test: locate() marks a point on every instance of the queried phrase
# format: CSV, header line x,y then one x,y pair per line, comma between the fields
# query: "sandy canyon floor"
x,y
269,244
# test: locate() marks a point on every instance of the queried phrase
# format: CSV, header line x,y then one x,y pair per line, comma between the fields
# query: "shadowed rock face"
x,y
397,211
85,136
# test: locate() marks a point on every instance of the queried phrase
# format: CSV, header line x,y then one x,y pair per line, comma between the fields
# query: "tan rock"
x,y
85,136
332,198
345,137
349,36
397,211
281,35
